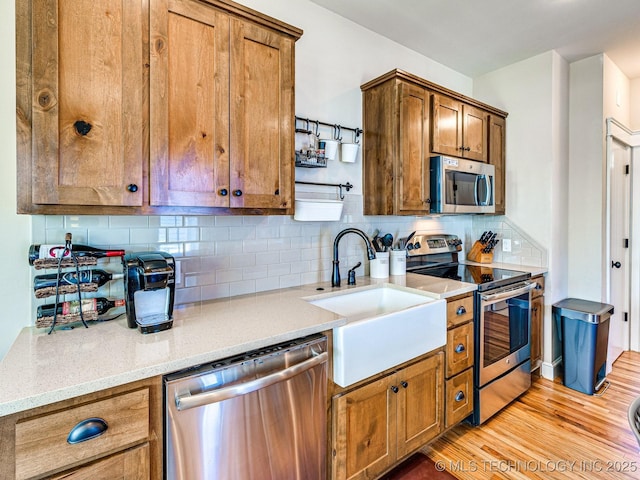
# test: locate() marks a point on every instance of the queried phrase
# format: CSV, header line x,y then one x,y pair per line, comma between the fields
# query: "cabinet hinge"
x,y
626,243
626,169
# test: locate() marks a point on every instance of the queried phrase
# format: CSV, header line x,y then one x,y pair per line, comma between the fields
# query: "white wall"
x,y
535,93
634,114
586,179
15,232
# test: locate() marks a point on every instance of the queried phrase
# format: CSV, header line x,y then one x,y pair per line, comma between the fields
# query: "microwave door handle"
x,y
487,181
476,194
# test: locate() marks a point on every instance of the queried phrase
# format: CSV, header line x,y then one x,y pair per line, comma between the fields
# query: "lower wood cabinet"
x,y
132,464
537,320
377,424
114,433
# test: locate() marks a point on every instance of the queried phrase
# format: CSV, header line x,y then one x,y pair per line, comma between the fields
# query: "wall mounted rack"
x,y
337,129
347,186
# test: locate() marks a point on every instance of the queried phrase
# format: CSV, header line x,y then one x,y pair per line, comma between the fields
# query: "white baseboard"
x,y
551,370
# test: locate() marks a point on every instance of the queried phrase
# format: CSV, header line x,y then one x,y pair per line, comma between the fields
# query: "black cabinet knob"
x,y
459,396
461,310
132,187
394,389
223,192
237,193
404,384
616,264
460,348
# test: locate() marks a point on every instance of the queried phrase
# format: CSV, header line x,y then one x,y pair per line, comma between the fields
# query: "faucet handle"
x,y
352,274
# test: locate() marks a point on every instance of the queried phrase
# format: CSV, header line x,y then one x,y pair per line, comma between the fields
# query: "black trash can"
x,y
584,333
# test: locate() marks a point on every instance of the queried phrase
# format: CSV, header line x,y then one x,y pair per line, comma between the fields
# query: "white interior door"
x,y
620,264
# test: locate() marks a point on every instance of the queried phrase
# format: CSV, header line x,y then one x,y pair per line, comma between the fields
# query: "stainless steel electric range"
x,y
502,319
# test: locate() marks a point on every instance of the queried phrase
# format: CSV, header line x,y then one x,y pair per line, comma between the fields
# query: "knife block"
x,y
476,254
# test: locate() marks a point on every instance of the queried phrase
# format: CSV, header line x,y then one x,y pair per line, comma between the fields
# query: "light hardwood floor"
x,y
551,432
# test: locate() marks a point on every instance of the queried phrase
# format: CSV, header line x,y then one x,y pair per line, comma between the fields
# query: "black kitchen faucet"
x,y
335,277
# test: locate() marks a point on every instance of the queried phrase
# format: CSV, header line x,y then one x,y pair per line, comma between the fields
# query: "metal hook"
x,y
317,128
336,134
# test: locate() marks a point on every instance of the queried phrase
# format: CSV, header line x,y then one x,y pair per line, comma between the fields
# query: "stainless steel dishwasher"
x,y
261,415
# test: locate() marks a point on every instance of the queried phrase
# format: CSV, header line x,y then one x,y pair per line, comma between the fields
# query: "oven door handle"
x,y
509,293
185,400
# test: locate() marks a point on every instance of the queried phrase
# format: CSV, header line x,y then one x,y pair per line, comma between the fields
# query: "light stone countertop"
x,y
40,369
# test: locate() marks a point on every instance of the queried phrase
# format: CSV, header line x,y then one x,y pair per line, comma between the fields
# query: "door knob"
x,y
615,264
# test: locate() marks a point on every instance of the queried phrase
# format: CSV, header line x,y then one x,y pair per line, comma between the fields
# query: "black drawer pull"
x,y
461,310
86,430
394,389
237,193
460,348
223,192
459,396
404,384
132,187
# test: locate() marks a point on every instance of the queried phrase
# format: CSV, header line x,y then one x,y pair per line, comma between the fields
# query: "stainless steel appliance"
x,y
149,286
461,186
502,319
261,415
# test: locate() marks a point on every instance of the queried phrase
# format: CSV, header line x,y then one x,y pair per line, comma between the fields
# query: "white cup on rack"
x,y
349,152
379,266
330,148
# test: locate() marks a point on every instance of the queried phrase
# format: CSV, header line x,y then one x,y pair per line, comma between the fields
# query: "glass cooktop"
x,y
484,276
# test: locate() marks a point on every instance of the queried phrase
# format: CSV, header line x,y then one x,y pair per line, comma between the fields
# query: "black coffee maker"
x,y
149,287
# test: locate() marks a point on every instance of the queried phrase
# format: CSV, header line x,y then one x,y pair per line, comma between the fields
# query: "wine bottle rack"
x,y
74,263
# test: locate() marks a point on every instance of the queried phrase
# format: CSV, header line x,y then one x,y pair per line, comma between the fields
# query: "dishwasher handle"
x,y
186,401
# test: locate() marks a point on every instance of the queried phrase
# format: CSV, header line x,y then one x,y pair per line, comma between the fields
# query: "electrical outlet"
x,y
506,244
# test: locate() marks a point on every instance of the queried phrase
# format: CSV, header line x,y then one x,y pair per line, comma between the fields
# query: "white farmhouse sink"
x,y
386,326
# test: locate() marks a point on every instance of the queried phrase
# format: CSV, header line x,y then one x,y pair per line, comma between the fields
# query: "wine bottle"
x,y
56,251
99,277
100,305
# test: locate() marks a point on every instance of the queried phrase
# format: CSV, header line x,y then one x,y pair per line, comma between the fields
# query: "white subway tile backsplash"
x,y
221,256
109,236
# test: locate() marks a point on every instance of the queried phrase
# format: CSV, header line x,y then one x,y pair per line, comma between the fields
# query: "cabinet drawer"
x,y
129,465
459,311
459,349
41,442
539,290
459,398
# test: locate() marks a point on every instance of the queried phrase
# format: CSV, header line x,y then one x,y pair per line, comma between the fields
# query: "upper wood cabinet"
x,y
154,107
459,129
221,109
407,120
396,149
88,102
497,136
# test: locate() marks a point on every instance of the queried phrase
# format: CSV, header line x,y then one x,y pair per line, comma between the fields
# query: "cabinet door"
x,y
412,169
447,126
497,159
189,89
262,116
420,404
459,398
474,133
89,102
129,465
537,315
364,430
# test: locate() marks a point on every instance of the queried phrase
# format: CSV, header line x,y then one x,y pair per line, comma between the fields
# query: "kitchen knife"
x,y
483,237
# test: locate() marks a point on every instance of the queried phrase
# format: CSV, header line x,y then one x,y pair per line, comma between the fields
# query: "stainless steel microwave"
x,y
462,186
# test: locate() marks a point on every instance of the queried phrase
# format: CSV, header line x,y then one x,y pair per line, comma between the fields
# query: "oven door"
x,y
503,333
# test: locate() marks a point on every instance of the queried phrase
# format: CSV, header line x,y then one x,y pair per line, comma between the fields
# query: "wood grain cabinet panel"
x,y
131,464
537,322
497,139
460,349
377,424
459,398
88,87
459,129
42,446
189,85
459,310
